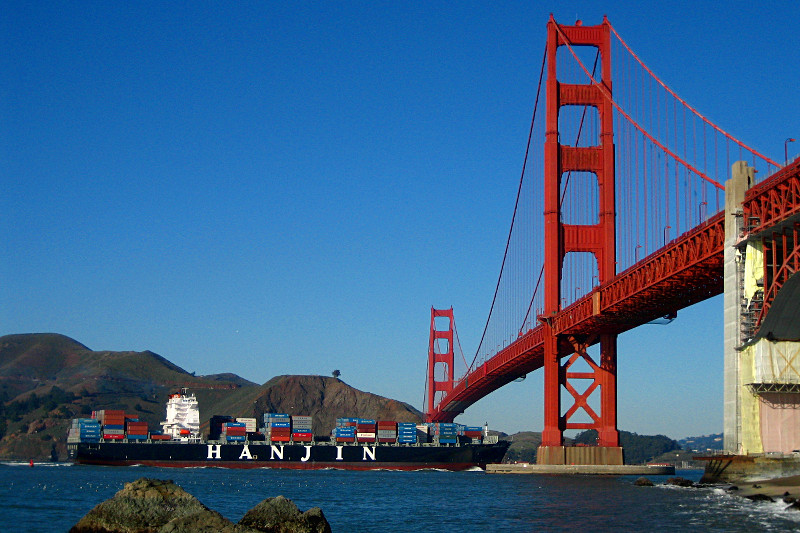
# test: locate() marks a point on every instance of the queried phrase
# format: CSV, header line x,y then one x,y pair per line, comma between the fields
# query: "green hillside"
x,y
46,380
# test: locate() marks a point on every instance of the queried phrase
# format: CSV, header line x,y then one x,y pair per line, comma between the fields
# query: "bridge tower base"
x,y
579,455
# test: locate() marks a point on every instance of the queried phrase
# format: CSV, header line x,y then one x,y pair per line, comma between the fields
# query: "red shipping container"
x,y
301,437
114,437
279,438
160,437
345,439
385,440
281,431
386,424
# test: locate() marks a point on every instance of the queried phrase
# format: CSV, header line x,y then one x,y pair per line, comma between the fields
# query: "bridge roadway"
x,y
687,270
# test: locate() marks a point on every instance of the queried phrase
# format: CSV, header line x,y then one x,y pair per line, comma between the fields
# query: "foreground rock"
x,y
156,506
643,482
280,515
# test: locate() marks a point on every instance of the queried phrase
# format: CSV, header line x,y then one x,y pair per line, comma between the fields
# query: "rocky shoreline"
x,y
785,489
160,506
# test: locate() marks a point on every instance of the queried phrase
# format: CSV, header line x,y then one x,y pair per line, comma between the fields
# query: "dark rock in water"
x,y
788,498
150,506
157,506
759,498
280,515
680,482
643,482
795,506
732,488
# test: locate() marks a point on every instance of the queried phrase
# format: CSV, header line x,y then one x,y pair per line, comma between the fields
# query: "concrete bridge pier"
x,y
761,349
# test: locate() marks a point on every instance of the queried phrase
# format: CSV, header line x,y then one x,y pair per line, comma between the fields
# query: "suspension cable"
x,y
604,91
693,110
516,205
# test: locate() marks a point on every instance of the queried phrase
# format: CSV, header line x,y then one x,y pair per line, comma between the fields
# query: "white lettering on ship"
x,y
369,453
275,452
339,453
246,453
214,451
308,454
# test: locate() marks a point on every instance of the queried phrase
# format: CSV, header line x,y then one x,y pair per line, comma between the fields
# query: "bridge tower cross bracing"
x,y
438,355
599,239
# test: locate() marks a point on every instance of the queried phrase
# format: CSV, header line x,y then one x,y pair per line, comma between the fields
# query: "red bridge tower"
x,y
440,354
561,239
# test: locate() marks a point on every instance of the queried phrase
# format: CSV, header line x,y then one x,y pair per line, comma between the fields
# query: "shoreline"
x,y
774,488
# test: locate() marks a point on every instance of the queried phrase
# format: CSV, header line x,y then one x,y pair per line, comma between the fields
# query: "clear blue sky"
x,y
288,187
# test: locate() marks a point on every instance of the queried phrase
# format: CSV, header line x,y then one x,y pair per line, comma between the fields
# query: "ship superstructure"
x,y
183,417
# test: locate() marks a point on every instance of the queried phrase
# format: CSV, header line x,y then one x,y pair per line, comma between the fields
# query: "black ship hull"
x,y
296,456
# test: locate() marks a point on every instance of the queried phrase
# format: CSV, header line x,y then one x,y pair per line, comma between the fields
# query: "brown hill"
x,y
326,399
48,379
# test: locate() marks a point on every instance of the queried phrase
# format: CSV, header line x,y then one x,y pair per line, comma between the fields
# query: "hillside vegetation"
x,y
48,379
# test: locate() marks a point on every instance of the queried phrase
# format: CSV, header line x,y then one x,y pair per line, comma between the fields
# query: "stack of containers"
x,y
113,422
84,430
250,427
249,424
344,433
234,431
406,433
278,427
387,431
475,433
345,430
301,428
447,433
215,426
365,431
423,433
135,430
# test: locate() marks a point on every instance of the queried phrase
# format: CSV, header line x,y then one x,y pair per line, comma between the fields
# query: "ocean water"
x,y
54,497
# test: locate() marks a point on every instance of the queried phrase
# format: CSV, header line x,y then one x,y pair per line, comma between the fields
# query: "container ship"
x,y
113,438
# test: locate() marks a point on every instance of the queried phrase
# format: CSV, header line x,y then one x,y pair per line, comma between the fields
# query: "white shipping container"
x,y
250,424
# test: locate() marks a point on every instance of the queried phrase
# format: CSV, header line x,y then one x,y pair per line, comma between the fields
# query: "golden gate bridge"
x,y
618,221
